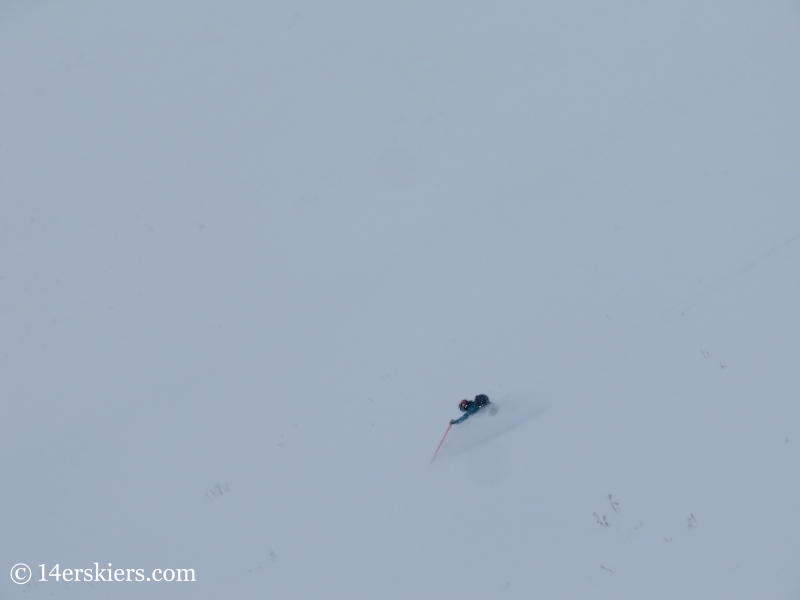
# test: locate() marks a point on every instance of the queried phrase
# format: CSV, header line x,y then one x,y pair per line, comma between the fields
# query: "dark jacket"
x,y
472,406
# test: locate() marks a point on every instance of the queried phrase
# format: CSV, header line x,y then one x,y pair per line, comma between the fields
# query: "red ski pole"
x,y
442,442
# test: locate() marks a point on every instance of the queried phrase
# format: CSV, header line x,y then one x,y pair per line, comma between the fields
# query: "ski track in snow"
x,y
516,409
741,270
513,410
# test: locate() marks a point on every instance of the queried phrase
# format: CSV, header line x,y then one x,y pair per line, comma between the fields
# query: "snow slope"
x,y
253,255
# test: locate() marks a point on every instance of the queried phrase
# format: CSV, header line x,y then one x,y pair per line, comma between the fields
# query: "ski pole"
x,y
442,442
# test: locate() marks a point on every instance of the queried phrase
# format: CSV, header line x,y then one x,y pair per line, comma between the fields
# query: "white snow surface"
x,y
252,255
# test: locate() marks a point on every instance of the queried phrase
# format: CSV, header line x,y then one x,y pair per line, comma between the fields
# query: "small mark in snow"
x,y
217,491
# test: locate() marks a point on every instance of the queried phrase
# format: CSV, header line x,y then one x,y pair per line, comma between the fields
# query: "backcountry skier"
x,y
470,407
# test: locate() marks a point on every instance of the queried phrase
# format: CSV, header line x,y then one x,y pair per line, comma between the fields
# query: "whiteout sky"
x,y
253,254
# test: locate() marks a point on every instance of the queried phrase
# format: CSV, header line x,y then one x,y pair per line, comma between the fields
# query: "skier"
x,y
470,407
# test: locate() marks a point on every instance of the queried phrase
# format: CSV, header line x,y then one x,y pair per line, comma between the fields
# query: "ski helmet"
x,y
463,405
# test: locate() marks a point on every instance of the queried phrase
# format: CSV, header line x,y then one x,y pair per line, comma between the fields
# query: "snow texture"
x,y
252,255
